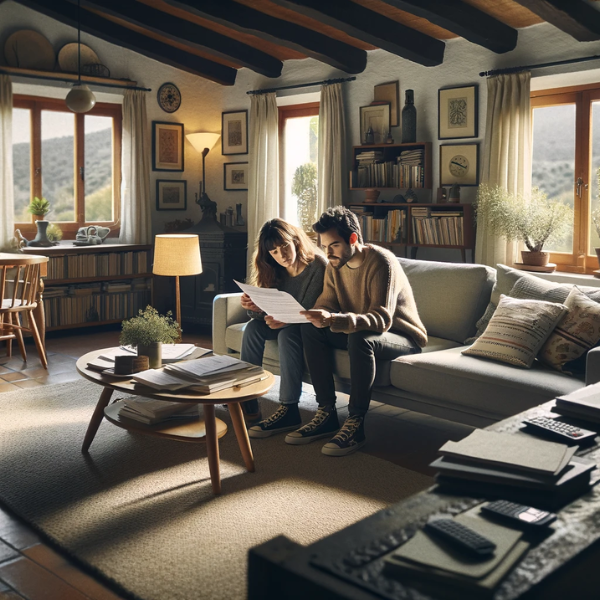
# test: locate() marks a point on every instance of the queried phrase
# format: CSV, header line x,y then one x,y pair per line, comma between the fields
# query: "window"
x,y
72,160
566,158
299,135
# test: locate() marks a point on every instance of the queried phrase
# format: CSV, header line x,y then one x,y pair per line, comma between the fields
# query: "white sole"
x,y
301,441
260,433
335,451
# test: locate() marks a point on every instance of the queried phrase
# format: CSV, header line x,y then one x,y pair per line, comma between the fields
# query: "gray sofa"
x,y
440,381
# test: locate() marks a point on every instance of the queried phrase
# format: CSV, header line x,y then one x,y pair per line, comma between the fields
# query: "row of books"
x,y
102,264
388,174
444,231
97,287
391,228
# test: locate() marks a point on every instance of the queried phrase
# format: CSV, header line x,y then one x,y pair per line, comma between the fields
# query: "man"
x,y
367,307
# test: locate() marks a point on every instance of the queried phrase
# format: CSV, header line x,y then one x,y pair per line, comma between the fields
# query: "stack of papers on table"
x,y
583,404
150,412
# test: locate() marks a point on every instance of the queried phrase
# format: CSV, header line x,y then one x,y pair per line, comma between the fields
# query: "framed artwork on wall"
x,y
377,117
457,112
235,176
389,92
171,194
167,146
459,163
234,132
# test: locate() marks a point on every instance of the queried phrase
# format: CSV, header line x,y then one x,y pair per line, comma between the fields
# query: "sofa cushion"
x,y
442,289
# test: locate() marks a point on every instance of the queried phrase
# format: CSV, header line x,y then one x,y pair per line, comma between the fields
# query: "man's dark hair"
x,y
343,220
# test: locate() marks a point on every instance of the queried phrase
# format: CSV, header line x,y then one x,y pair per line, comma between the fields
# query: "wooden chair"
x,y
19,287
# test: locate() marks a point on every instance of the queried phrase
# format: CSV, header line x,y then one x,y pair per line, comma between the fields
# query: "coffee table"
x,y
208,430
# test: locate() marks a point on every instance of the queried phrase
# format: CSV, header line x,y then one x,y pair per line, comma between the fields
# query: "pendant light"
x,y
80,99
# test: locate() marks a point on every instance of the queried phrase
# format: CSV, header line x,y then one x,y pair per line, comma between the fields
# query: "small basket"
x,y
371,195
95,70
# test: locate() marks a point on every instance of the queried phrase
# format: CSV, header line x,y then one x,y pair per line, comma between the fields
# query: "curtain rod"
x,y
301,85
569,61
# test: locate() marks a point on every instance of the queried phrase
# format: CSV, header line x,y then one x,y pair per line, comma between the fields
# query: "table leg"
x,y
212,447
241,433
96,418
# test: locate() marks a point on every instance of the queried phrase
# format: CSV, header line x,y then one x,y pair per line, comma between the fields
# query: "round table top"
x,y
129,386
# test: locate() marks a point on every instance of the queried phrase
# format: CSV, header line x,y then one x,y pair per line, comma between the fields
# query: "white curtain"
x,y
263,168
506,159
135,184
332,148
7,208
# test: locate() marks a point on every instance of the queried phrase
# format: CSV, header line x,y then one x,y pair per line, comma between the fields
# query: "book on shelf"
x,y
151,412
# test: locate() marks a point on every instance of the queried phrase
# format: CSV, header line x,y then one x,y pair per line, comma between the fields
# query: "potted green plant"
x,y
39,208
148,331
534,221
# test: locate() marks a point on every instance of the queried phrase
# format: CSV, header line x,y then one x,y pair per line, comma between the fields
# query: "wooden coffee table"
x,y
208,430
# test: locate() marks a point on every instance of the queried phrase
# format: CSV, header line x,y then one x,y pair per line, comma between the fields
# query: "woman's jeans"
x,y
291,358
364,347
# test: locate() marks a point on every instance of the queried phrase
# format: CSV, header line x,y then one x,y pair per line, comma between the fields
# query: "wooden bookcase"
x,y
95,285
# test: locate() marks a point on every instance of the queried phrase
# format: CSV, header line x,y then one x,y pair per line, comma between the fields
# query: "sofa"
x,y
453,301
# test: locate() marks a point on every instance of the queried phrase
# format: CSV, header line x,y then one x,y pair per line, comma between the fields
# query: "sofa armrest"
x,y
592,367
227,310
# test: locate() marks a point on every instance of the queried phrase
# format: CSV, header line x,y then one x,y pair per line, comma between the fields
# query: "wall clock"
x,y
169,97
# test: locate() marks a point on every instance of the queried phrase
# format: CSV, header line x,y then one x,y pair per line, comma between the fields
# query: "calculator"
x,y
519,513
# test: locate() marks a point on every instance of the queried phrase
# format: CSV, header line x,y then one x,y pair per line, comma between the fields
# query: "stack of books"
x,y
151,412
411,158
583,404
370,157
513,467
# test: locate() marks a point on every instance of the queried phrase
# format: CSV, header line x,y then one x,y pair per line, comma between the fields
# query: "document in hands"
x,y
277,304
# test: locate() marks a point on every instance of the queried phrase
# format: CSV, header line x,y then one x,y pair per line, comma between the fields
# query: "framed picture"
x,y
171,194
389,92
377,117
234,132
167,146
235,176
459,163
457,112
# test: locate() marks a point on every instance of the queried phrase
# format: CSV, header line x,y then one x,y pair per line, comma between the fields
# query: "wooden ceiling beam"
x,y
185,32
91,23
463,20
575,17
285,33
373,28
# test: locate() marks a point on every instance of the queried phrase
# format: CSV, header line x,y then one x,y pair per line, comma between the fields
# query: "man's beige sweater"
x,y
376,296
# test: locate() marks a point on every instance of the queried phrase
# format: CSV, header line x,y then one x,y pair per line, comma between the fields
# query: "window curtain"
x,y
135,184
7,207
332,147
506,159
263,168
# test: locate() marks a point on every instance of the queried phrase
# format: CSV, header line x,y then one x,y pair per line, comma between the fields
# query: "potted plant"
x,y
534,221
39,208
148,331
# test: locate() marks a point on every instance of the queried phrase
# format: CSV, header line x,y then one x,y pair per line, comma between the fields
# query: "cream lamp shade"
x,y
177,255
203,140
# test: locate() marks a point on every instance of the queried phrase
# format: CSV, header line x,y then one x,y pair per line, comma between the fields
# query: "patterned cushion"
x,y
517,331
578,331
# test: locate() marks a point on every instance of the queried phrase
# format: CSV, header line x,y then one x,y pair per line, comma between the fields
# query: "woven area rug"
x,y
139,510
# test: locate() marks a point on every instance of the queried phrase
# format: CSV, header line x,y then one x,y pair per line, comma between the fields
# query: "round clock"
x,y
169,97
459,165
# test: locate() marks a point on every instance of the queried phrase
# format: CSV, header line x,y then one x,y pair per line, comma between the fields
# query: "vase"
x,y
239,220
535,259
409,119
41,237
454,193
154,353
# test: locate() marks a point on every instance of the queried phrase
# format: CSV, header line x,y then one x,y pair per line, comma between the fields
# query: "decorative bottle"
x,y
409,119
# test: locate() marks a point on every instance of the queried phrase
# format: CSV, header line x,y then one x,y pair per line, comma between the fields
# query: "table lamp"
x,y
177,255
203,142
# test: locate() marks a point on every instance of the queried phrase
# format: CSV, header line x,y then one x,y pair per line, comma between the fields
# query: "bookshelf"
x,y
95,285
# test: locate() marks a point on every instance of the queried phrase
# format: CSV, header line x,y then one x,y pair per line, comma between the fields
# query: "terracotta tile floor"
x,y
30,569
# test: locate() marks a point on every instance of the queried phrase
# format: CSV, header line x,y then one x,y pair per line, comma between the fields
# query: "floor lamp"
x,y
177,256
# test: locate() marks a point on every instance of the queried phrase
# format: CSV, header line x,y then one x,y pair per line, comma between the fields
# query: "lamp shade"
x,y
177,255
203,140
80,99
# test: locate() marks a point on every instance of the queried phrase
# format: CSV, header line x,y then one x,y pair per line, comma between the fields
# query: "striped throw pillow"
x,y
517,331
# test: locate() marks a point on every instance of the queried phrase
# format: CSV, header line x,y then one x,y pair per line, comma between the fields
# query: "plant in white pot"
x,y
148,331
535,221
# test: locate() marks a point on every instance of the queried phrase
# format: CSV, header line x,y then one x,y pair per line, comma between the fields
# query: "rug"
x,y
139,511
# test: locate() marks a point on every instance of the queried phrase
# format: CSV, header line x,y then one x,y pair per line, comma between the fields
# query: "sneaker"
x,y
285,418
323,424
349,438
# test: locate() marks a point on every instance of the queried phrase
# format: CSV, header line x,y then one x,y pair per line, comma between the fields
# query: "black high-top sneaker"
x,y
323,424
285,418
348,439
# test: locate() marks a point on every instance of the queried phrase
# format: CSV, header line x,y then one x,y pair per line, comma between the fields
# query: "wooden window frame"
x,y
36,105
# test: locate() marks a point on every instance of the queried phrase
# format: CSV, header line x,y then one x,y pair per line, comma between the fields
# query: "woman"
x,y
285,259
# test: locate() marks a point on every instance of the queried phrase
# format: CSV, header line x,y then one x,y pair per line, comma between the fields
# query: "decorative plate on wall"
x,y
67,57
169,97
28,49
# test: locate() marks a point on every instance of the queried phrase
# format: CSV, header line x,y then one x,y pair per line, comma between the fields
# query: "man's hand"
x,y
247,304
319,318
272,323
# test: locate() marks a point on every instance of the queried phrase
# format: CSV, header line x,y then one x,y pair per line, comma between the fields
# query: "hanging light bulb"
x,y
80,99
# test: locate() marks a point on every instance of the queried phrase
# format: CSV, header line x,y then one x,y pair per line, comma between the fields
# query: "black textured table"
x,y
349,564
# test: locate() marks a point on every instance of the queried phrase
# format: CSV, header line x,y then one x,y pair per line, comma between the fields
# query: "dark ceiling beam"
x,y
463,20
575,17
373,28
185,32
278,31
91,23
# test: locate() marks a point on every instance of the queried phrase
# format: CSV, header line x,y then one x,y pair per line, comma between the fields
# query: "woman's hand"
x,y
247,304
319,318
273,324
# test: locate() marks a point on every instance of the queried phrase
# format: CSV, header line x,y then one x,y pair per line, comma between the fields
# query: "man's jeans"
x,y
363,348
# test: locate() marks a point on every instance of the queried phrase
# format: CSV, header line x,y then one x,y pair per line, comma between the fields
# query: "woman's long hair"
x,y
277,232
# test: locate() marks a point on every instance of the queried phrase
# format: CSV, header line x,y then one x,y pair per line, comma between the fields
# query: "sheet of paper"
x,y
210,365
277,304
160,380
170,351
